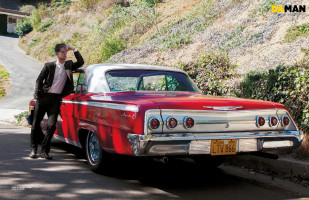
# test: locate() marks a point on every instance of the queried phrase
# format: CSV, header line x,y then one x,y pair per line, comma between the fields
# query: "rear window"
x,y
148,80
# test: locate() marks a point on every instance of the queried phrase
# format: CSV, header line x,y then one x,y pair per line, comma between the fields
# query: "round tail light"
x,y
154,123
285,121
188,122
171,122
260,121
273,121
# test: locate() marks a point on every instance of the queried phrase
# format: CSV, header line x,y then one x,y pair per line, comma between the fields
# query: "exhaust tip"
x,y
163,160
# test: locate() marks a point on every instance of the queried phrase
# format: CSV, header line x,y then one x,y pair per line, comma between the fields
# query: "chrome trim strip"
x,y
163,149
208,136
217,111
225,121
219,137
276,144
223,108
115,106
200,147
248,145
67,141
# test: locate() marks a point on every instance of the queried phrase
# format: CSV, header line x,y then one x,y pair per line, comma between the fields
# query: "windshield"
x,y
149,80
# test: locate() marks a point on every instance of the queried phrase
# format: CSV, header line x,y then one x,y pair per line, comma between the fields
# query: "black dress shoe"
x,y
32,154
46,156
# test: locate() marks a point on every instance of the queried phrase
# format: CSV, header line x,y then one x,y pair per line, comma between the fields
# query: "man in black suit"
x,y
54,82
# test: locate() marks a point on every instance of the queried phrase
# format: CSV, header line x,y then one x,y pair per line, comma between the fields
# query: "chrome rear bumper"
x,y
199,143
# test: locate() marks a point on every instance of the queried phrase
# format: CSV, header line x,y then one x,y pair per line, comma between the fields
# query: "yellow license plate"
x,y
223,147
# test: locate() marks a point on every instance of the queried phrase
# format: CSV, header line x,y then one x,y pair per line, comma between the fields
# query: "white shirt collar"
x,y
58,64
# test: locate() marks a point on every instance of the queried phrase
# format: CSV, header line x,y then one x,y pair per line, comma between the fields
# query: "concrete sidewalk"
x,y
7,115
287,167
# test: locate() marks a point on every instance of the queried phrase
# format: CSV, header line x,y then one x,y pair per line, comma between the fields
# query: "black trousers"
x,y
50,104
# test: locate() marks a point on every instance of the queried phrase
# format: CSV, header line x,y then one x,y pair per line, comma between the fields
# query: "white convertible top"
x,y
96,80
107,67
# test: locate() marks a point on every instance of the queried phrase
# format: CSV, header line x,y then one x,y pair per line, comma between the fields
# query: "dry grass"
x,y
169,11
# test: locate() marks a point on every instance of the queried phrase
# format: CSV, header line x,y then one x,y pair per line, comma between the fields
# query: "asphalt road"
x,y
23,70
68,177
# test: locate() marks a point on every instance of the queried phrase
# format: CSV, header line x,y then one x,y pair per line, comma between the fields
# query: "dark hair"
x,y
59,46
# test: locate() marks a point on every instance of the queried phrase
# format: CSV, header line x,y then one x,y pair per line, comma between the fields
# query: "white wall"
x,y
11,26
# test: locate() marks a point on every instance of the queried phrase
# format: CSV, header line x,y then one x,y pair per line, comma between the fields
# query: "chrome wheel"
x,y
94,149
94,153
96,156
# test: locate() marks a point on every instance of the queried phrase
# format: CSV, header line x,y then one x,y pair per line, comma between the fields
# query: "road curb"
x,y
283,166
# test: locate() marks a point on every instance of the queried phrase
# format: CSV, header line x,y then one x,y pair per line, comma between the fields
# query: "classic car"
x,y
158,112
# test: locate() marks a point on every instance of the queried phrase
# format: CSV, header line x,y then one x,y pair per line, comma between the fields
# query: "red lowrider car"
x,y
152,111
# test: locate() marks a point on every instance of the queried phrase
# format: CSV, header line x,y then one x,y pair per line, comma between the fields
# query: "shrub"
x,y
3,74
44,26
26,8
4,77
153,2
111,46
58,3
23,27
296,31
51,50
211,72
285,84
266,6
20,116
35,18
121,28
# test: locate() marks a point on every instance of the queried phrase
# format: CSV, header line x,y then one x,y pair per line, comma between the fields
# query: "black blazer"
x,y
46,77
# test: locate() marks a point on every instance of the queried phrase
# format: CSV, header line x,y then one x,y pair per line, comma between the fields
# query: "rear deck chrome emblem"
x,y
225,108
125,116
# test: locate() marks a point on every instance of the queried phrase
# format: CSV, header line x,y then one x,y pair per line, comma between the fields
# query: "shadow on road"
x,y
181,177
145,170
69,177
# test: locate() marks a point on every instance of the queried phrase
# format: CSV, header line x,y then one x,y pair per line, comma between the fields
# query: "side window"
x,y
75,78
173,84
161,83
81,83
154,83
